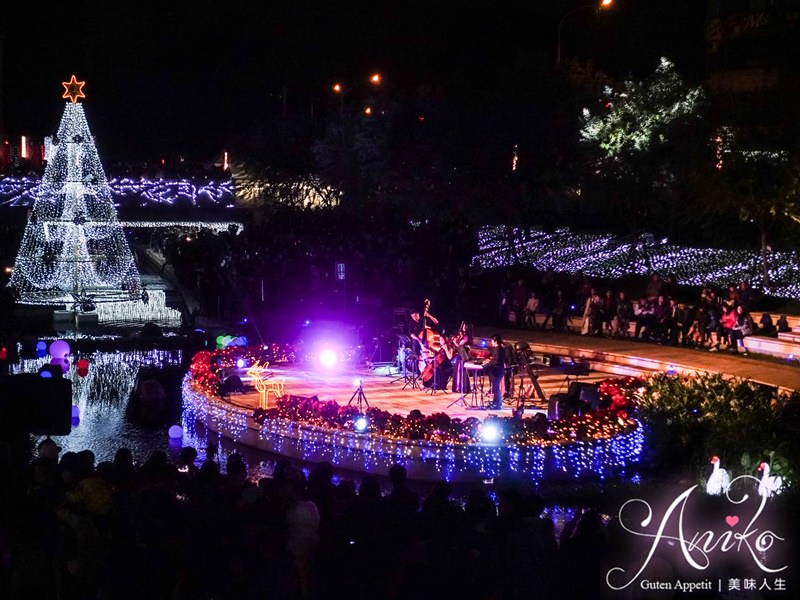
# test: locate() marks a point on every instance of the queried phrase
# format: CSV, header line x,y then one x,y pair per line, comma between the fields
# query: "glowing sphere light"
x,y
59,349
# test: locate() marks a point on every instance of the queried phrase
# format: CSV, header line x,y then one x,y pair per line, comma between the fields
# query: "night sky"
x,y
186,76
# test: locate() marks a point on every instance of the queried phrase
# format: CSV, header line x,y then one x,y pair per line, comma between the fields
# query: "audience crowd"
x,y
662,313
70,528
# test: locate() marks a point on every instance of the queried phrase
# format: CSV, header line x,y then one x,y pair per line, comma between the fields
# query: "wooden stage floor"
x,y
385,388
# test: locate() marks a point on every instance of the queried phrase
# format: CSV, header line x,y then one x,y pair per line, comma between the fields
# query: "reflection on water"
x,y
101,399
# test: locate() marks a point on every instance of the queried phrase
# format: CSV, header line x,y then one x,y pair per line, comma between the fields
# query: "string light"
x,y
130,193
603,256
73,244
432,447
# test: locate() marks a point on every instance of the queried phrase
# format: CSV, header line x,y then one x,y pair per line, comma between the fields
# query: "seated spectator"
x,y
695,335
644,318
711,326
726,325
766,326
742,327
783,324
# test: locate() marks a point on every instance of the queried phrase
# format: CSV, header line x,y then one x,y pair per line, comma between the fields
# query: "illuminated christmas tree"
x,y
74,249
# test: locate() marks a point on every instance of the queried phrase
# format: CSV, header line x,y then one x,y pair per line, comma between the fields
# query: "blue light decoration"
x,y
596,255
129,192
424,459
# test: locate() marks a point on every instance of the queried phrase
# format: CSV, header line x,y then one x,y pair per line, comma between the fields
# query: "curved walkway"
x,y
642,356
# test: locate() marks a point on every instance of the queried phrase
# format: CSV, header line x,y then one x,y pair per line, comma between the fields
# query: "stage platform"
x,y
571,455
385,388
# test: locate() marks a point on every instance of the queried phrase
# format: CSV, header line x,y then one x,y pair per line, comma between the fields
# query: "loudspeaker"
x,y
233,384
558,406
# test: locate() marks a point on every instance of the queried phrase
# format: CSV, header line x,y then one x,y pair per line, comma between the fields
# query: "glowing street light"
x,y
603,5
374,80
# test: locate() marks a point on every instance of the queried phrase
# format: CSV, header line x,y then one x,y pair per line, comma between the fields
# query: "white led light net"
x,y
73,245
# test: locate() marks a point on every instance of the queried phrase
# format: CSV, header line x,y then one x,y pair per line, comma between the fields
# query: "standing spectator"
x,y
558,313
654,287
531,308
685,318
624,315
302,530
672,323
519,299
608,311
660,313
592,323
644,318
744,295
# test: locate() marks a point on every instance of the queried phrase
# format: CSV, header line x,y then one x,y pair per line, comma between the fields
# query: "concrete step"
x,y
777,347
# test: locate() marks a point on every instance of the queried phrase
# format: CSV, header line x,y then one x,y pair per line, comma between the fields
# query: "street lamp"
x,y
604,4
374,80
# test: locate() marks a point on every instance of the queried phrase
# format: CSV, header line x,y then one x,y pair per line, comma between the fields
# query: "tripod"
x,y
359,399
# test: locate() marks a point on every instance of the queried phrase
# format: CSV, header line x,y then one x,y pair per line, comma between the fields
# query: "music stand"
x,y
461,398
413,375
574,368
475,371
402,347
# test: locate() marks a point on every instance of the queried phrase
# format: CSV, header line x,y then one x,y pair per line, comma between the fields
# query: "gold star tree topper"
x,y
73,89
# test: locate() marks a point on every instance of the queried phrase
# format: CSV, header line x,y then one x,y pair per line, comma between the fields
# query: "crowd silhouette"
x,y
75,529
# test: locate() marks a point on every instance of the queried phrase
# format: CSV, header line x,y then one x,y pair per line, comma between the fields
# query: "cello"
x,y
436,373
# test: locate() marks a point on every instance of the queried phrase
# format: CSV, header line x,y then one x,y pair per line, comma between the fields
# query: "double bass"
x,y
430,339
436,370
